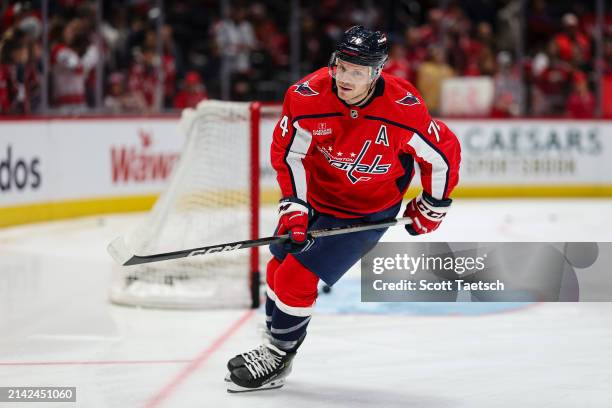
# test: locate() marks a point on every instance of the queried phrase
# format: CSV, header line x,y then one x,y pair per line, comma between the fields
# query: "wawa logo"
x,y
139,164
322,130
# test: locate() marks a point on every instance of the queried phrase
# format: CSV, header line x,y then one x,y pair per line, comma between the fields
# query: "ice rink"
x,y
58,329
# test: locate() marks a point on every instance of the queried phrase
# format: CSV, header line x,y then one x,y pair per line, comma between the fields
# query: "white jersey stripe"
x,y
297,151
439,168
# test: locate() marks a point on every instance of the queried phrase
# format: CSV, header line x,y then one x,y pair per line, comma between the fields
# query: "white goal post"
x,y
213,197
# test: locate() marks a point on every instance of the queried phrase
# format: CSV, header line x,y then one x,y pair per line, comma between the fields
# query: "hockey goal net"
x,y
212,198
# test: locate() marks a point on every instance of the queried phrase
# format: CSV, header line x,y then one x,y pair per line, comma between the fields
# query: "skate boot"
x,y
241,359
264,368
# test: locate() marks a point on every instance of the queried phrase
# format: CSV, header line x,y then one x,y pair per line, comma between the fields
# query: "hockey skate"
x,y
240,359
263,368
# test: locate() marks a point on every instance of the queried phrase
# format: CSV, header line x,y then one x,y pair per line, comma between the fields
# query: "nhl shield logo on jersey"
x,y
409,100
305,89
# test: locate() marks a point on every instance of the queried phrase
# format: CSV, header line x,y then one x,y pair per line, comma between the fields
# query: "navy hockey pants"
x,y
331,257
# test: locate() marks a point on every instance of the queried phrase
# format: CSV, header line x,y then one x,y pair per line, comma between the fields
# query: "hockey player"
x,y
344,151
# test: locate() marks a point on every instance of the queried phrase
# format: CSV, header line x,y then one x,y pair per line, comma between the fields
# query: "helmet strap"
x,y
368,94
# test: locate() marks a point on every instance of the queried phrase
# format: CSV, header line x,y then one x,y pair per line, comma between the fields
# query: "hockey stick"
x,y
122,255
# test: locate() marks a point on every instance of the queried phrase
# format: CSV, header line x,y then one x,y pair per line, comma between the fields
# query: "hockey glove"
x,y
426,213
293,216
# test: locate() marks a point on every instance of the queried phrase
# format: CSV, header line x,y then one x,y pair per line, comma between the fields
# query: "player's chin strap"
x,y
368,95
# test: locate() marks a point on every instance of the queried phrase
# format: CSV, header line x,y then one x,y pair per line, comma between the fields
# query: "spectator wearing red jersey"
x,y
551,78
71,62
581,101
572,45
192,93
142,76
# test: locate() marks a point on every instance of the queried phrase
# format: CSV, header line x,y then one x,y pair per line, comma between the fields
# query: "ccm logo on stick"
x,y
222,248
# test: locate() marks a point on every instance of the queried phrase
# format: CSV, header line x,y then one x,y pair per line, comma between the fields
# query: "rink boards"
x,y
58,168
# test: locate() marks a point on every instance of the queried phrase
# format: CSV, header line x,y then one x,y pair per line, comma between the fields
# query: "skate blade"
x,y
233,388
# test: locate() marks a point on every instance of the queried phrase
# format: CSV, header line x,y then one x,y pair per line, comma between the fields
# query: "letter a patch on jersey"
x,y
305,89
382,137
409,100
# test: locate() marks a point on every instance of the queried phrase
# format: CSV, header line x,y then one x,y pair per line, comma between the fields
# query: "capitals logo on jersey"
x,y
356,165
305,89
409,100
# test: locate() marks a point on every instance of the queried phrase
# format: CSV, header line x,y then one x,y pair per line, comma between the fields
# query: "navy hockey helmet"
x,y
361,46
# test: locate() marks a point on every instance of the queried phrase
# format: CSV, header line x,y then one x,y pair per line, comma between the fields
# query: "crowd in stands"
x,y
149,61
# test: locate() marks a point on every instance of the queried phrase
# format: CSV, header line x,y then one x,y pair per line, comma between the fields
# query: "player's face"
x,y
353,81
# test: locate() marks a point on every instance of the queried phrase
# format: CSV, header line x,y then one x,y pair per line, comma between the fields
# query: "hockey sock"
x,y
271,268
288,331
294,293
269,311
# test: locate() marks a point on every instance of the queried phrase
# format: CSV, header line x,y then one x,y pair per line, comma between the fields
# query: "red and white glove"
x,y
426,213
293,216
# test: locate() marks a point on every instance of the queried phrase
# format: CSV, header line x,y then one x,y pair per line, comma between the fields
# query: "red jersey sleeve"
x,y
437,151
290,146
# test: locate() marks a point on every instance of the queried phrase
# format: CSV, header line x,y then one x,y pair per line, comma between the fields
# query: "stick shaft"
x,y
232,246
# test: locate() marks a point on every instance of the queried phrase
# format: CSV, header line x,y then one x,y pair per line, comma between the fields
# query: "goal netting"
x,y
212,198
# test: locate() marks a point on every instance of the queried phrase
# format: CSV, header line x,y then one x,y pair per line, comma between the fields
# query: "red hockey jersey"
x,y
349,161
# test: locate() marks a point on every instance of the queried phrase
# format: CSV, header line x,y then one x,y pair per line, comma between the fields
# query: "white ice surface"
x,y
57,329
